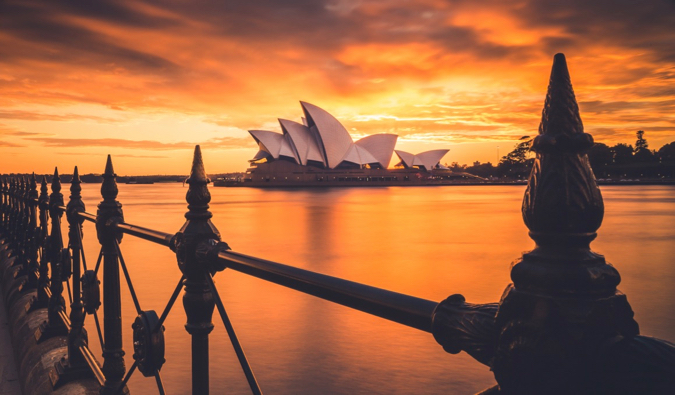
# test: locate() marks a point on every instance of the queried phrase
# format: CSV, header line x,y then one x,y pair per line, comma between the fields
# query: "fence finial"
x,y
109,186
33,187
109,212
563,306
197,299
75,187
56,181
562,202
198,195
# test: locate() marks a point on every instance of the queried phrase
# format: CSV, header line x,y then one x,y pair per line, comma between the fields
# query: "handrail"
x,y
87,216
404,309
152,235
93,364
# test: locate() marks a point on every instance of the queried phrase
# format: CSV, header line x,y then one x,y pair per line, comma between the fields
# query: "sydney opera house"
x,y
320,151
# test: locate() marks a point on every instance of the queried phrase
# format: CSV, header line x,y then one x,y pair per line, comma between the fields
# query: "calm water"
x,y
428,242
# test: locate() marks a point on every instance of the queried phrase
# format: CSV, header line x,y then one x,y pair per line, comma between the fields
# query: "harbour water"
x,y
428,242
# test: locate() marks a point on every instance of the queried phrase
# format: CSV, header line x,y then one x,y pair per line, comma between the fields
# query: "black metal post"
x,y
110,212
33,264
76,338
56,306
198,300
43,281
56,302
562,327
3,206
74,366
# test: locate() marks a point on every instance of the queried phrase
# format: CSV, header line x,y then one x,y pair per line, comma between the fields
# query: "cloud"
x,y
119,155
112,143
41,116
4,143
221,143
460,70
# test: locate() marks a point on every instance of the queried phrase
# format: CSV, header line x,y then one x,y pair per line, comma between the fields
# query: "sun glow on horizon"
x,y
146,83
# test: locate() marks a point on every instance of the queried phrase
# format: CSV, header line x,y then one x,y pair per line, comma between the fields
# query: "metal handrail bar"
x,y
404,309
152,235
93,364
87,216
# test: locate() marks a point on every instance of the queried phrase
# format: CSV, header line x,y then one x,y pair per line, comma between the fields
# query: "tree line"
x,y
621,161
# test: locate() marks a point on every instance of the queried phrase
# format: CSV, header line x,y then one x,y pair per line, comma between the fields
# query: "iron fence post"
x,y
562,327
77,336
198,300
56,303
43,281
33,266
110,212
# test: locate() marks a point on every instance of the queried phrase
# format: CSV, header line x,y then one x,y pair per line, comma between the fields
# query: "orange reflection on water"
x,y
428,242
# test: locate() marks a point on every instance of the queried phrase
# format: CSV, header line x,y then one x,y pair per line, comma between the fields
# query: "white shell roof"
x,y
359,155
323,139
381,146
431,158
268,141
261,154
427,159
302,141
333,137
273,143
406,158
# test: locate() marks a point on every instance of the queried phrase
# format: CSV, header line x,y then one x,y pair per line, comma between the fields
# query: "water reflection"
x,y
428,242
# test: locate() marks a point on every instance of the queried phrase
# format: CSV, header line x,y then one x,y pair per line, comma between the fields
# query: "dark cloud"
x,y
4,143
116,143
118,155
221,142
46,31
604,107
39,116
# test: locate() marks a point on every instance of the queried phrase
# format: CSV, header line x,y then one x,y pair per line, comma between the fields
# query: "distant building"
x,y
323,142
320,152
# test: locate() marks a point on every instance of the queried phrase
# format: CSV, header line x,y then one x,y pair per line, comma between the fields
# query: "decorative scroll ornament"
x,y
460,326
148,343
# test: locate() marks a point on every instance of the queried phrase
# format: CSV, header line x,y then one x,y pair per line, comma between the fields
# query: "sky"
x,y
145,81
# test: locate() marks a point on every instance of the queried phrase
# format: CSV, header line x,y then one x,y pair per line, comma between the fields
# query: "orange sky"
x,y
146,80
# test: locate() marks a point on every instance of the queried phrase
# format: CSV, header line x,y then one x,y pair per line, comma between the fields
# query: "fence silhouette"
x,y
561,327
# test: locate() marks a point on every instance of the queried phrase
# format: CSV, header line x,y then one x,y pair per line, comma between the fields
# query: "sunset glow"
x,y
145,81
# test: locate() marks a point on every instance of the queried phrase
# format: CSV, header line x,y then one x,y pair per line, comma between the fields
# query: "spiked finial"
x,y
109,186
561,129
198,196
562,197
43,186
56,181
75,204
56,198
562,206
75,187
33,193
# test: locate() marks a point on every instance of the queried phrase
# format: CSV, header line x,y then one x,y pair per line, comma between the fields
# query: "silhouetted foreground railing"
x,y
561,327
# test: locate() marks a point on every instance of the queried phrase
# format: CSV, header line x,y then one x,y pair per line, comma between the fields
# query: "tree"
x,y
520,153
622,154
600,156
667,153
517,163
642,152
641,143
